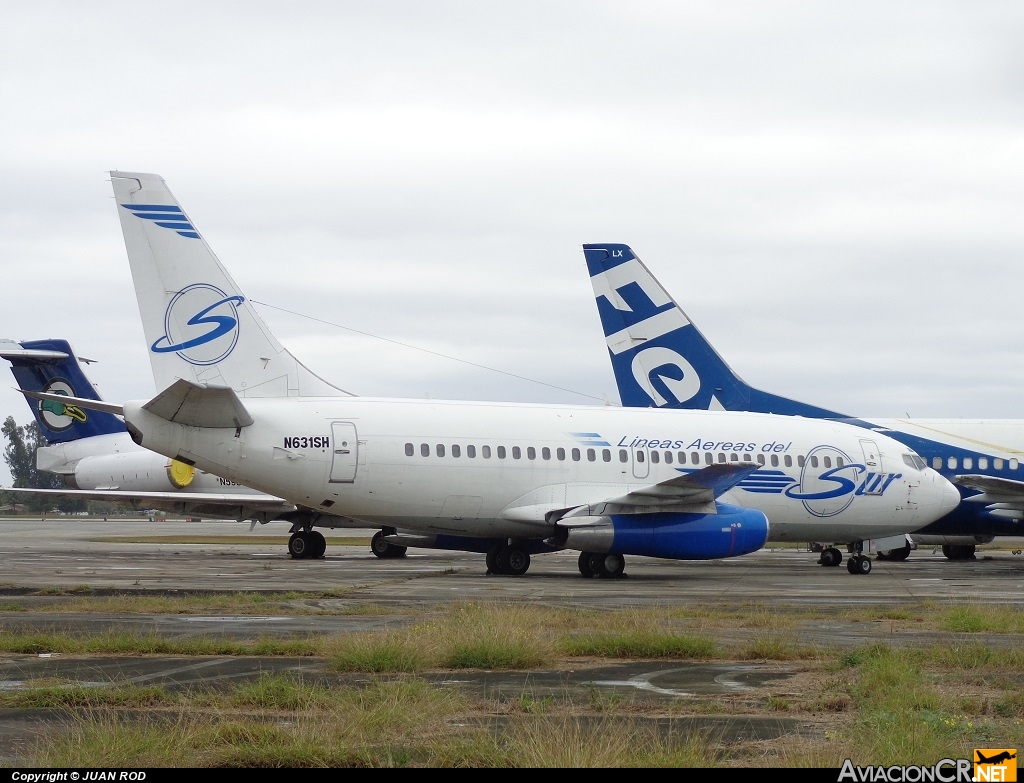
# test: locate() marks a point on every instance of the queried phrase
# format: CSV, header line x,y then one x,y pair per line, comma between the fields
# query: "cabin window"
x,y
591,455
839,462
1013,464
501,452
440,449
775,460
655,457
814,462
531,452
827,461
982,463
721,457
951,463
760,459
787,461
545,453
968,463
517,452
937,463
734,457
640,455
456,451
575,455
695,458
997,463
409,449
709,458
560,453
800,460
623,455
746,458
425,449
681,456
485,452
668,457
471,451
606,455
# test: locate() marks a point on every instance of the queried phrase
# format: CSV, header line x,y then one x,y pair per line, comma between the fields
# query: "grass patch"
x,y
983,619
639,644
152,644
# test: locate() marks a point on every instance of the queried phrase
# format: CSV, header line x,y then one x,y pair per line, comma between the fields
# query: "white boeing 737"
x,y
507,479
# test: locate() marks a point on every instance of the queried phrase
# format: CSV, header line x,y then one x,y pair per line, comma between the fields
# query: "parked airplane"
x,y
660,359
97,459
508,479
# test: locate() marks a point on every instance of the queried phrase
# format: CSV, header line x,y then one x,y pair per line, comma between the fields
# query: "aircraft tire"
x,y
899,555
492,559
830,557
863,564
513,561
584,565
959,552
318,544
607,566
299,545
851,566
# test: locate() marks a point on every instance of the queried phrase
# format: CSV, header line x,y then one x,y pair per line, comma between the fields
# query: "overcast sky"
x,y
833,192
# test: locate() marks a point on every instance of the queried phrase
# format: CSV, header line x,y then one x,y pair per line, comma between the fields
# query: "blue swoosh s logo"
x,y
222,324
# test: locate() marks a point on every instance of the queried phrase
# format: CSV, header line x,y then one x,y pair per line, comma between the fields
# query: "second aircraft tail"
x,y
51,366
659,358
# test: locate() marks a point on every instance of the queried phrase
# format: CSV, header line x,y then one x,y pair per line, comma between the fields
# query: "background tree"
x,y
20,456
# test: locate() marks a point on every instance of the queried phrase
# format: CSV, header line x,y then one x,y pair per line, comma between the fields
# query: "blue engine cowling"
x,y
731,532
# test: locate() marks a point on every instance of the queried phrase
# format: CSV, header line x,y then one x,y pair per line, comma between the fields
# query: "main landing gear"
x,y
857,563
958,551
895,555
382,548
307,545
605,566
508,560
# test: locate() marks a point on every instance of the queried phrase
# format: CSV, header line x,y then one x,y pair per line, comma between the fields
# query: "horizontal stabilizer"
x,y
187,403
81,402
185,500
11,350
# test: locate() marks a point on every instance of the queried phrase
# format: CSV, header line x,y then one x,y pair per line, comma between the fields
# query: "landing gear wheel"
x,y
859,564
584,565
607,566
831,557
513,561
898,555
318,544
959,552
383,549
299,545
492,560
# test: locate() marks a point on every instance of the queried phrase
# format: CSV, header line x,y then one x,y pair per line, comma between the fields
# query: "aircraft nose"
x,y
949,497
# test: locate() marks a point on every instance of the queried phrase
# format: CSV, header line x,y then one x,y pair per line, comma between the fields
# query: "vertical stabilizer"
x,y
51,366
659,358
198,324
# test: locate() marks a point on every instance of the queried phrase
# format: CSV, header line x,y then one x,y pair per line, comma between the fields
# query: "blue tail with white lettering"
x,y
51,366
660,359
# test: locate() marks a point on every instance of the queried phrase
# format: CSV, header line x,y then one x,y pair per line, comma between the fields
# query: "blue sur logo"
x,y
200,325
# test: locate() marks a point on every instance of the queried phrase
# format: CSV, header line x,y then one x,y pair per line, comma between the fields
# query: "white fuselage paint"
x,y
299,449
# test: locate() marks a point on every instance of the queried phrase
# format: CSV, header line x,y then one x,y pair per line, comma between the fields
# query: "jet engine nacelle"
x,y
731,532
132,471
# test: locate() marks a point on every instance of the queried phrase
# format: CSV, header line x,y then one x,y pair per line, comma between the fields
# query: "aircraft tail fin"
x,y
51,366
198,324
659,358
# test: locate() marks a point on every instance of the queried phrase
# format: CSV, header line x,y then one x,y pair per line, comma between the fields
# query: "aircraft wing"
x,y
693,492
227,505
1003,497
